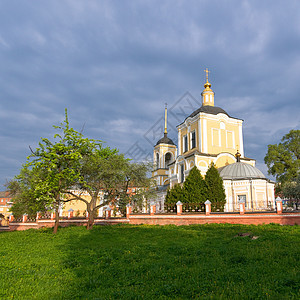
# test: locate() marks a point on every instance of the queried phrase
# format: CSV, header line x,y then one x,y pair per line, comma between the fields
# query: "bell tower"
x,y
164,153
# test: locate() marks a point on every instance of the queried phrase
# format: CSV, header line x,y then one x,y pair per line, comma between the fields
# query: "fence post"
x,y
179,208
25,216
87,214
70,213
279,205
100,211
242,206
11,218
38,215
52,215
207,207
128,210
152,209
108,213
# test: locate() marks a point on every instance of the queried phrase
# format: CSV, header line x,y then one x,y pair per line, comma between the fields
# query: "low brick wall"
x,y
62,223
247,219
165,219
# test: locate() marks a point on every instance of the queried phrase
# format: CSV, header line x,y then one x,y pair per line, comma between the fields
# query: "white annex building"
x,y
211,135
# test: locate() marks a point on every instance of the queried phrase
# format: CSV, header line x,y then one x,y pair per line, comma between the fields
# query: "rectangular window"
x,y
193,139
185,143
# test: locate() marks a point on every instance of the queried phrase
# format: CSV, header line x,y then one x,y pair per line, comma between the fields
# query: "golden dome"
x,y
207,86
238,156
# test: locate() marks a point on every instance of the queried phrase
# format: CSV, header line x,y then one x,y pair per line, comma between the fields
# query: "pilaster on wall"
x,y
241,145
204,148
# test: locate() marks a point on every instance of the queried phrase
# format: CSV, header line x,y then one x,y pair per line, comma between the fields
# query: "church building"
x,y
211,135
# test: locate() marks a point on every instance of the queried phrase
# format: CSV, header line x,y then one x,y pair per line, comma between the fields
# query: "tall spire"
x,y
166,112
165,139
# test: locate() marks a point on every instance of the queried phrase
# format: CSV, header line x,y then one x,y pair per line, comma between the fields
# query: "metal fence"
x,y
291,205
31,218
193,207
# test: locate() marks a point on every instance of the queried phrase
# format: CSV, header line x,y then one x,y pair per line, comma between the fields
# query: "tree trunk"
x,y
90,222
90,209
56,224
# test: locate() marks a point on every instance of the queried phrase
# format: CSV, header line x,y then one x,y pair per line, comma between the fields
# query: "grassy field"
x,y
152,262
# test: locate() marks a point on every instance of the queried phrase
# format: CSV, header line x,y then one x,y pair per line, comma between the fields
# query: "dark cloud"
x,y
114,64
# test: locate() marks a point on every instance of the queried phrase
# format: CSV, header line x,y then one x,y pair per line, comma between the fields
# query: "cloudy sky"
x,y
113,65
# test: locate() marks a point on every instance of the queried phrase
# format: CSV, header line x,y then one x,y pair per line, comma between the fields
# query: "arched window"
x,y
181,173
168,157
157,160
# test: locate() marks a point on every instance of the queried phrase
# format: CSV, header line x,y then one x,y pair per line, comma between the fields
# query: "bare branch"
x,y
102,204
82,128
77,197
31,150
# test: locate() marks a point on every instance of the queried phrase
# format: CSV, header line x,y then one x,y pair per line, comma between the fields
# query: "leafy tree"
x,y
291,190
58,162
137,177
174,195
283,159
105,170
54,169
22,189
93,173
215,189
194,187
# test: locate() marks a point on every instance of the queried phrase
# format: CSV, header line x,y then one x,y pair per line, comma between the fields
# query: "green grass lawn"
x,y
151,262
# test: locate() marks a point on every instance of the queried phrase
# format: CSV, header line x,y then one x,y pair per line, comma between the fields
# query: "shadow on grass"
x,y
130,262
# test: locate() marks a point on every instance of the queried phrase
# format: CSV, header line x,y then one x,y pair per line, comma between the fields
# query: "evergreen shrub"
x,y
196,190
194,187
174,195
215,189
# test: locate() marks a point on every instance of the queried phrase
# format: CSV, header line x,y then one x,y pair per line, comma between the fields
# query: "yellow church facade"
x,y
210,135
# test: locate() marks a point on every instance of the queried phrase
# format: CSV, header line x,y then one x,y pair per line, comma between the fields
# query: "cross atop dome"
x,y
207,72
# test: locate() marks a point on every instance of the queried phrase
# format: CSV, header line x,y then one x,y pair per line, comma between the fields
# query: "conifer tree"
x,y
216,192
194,187
174,195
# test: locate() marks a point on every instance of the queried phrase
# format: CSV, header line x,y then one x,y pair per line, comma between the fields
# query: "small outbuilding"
x,y
242,181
